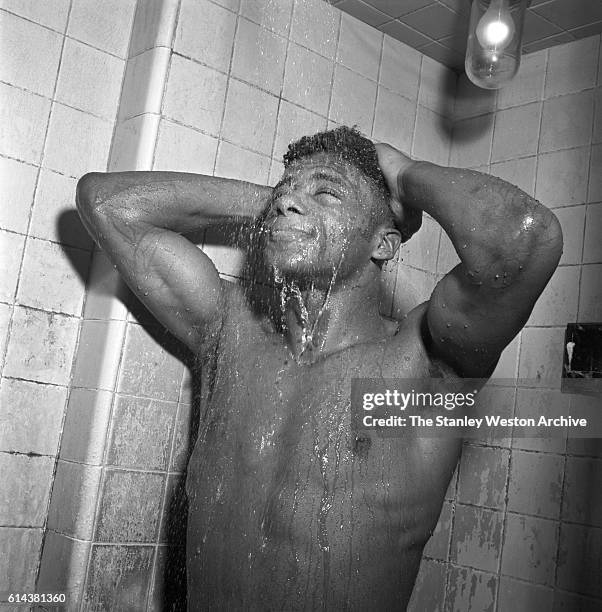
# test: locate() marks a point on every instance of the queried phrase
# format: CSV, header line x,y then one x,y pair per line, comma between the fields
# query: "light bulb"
x,y
496,27
494,41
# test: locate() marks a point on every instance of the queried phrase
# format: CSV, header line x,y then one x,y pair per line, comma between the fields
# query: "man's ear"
x,y
388,240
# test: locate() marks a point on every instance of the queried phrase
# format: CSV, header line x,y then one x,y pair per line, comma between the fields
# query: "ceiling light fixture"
x,y
495,37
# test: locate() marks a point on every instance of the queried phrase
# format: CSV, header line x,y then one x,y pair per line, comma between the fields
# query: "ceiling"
x,y
439,28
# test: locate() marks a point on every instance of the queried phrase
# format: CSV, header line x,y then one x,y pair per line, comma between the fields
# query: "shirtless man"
x,y
288,510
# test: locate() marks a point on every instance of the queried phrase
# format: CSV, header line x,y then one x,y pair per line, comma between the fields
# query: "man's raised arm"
x,y
138,218
509,246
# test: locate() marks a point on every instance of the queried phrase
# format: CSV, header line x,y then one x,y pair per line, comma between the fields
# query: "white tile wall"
x,y
205,32
51,14
359,47
23,121
89,79
394,120
179,148
274,16
21,42
567,122
105,25
353,99
18,185
400,68
318,35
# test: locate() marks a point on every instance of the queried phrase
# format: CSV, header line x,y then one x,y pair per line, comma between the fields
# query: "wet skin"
x,y
289,509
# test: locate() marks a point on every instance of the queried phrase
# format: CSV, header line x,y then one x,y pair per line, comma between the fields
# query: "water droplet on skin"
x,y
473,229
443,306
497,276
448,324
464,246
465,325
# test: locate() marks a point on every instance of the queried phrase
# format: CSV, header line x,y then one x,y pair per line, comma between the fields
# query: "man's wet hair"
x,y
346,143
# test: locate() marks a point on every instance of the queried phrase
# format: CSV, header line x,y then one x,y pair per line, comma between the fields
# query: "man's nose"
x,y
290,203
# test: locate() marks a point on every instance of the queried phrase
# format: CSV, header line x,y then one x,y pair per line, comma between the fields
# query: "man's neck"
x,y
320,320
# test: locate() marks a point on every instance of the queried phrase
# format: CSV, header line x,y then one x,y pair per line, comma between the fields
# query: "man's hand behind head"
x,y
393,164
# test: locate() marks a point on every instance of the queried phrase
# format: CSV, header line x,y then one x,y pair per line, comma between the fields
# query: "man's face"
x,y
320,220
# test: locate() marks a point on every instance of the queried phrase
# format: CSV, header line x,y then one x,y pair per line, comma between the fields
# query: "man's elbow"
x,y
87,192
550,240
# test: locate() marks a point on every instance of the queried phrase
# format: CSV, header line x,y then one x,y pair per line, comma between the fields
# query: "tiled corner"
x,y
420,251
400,68
572,220
432,137
31,416
437,87
148,369
105,25
54,216
477,537
18,185
582,498
118,577
77,142
438,545
144,82
183,149
24,496
52,277
133,143
154,23
141,433
129,506
353,99
429,588
243,125
89,79
558,302
572,67
530,549
11,255
535,483
18,547
226,256
590,294
98,352
394,120
540,361
173,523
182,445
308,79
482,476
471,100
592,248
527,85
315,25
74,498
471,143
259,56
359,47
412,287
562,177
294,122
594,191
27,40
52,15
210,40
515,596
63,567
41,346
270,15
23,121
516,132
107,293
188,83
533,403
567,122
470,590
579,559
447,258
234,162
86,425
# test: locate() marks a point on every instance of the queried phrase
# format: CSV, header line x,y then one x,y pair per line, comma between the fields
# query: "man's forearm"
x,y
176,201
495,227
